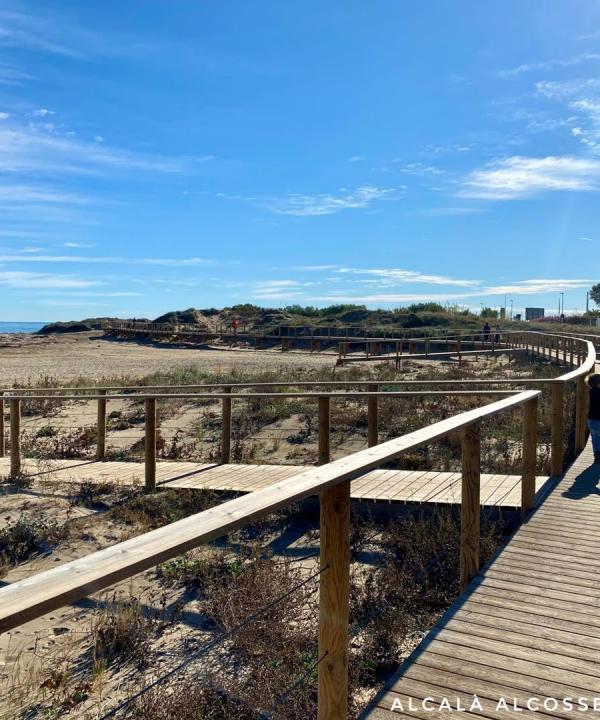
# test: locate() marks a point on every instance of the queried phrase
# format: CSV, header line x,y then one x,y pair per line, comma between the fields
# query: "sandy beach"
x,y
28,358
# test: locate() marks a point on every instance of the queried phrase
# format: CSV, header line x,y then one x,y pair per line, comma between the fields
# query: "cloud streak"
x,y
328,204
22,280
548,65
520,177
409,276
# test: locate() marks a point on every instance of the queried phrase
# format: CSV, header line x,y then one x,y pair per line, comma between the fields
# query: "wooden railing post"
x,y
324,431
15,437
530,430
470,504
2,438
373,421
226,426
581,411
334,602
558,428
150,444
101,426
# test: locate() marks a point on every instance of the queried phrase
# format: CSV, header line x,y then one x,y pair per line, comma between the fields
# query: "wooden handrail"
x,y
254,396
34,596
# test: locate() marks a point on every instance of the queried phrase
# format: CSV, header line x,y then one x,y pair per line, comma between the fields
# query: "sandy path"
x,y
28,358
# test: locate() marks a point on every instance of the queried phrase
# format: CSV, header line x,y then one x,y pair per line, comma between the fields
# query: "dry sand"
x,y
27,358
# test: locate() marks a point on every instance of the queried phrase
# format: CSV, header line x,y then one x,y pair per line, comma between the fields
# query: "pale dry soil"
x,y
27,358
58,645
31,655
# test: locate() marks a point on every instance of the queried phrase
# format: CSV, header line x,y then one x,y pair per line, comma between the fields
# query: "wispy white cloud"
x,y
520,287
35,148
558,90
519,177
21,193
416,168
588,105
548,64
13,76
327,204
369,299
278,289
22,280
409,276
112,259
538,286
450,149
356,158
42,112
450,210
22,30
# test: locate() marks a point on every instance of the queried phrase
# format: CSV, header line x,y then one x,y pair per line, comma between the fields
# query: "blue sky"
x,y
162,155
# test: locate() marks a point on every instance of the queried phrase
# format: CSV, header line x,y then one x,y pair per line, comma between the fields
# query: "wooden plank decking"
x,y
393,486
527,626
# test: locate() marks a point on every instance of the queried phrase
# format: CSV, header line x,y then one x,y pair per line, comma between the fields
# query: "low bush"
x,y
25,537
121,632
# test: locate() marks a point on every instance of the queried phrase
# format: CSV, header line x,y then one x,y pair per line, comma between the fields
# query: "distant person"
x,y
497,334
486,331
594,414
234,325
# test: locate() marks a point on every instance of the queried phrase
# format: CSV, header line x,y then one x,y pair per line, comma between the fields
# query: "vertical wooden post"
x,y
2,439
427,347
557,457
150,444
470,504
101,426
581,411
15,437
334,602
324,431
226,426
373,422
530,429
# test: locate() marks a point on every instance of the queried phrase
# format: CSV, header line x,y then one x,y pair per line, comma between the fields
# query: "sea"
x,y
20,327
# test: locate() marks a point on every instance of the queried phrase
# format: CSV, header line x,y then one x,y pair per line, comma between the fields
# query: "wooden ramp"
x,y
527,626
388,486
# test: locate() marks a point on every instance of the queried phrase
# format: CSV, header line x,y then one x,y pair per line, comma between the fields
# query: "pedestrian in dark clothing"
x,y
486,331
594,414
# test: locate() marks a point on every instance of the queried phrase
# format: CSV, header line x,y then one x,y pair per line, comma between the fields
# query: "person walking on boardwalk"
x,y
594,414
486,331
497,334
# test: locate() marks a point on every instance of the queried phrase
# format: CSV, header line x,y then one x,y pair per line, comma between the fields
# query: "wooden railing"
x,y
32,597
579,354
227,397
37,595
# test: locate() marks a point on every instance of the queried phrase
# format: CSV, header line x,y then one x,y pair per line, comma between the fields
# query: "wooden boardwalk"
x,y
527,626
391,486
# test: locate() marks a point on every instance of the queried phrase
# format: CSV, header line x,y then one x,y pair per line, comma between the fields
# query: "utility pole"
x,y
587,301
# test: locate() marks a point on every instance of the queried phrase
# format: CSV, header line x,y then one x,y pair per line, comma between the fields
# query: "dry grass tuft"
x,y
121,633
